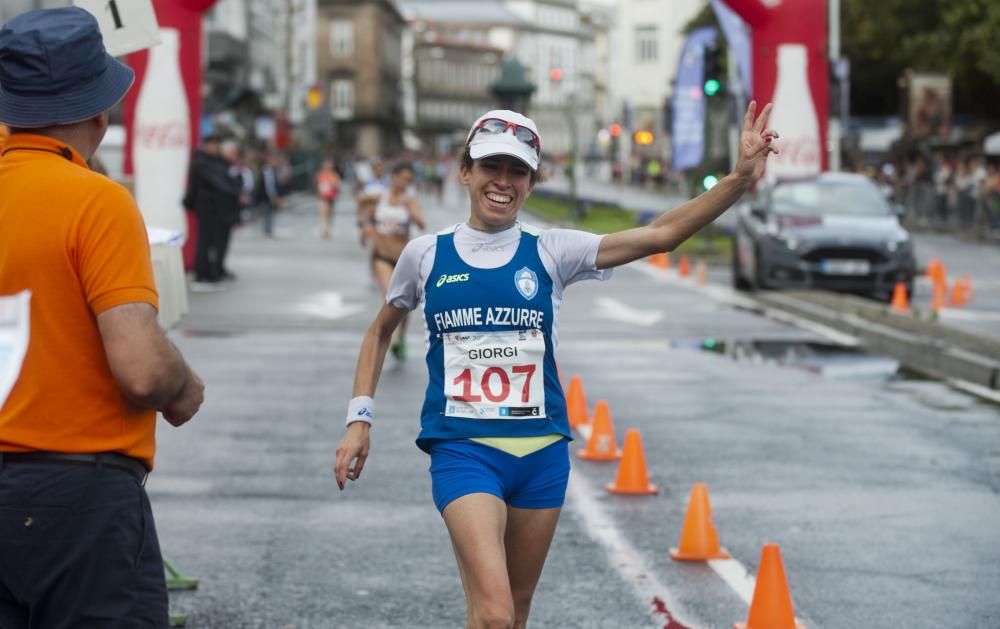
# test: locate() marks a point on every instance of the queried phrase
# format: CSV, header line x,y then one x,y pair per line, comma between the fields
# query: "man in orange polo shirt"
x,y
77,432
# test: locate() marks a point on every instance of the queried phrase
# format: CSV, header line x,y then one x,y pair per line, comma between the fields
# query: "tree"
x,y
883,39
958,37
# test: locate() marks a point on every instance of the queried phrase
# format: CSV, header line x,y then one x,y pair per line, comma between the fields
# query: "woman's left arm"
x,y
416,213
674,227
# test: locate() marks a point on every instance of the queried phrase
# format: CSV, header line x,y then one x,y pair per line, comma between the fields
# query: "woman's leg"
x,y
529,534
383,274
477,523
325,210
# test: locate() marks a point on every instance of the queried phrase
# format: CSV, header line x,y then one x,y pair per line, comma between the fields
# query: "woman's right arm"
x,y
353,449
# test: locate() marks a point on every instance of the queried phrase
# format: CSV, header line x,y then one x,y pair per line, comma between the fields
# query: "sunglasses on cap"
x,y
496,126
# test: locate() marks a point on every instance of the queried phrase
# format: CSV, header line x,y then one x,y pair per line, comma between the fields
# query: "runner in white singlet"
x,y
394,215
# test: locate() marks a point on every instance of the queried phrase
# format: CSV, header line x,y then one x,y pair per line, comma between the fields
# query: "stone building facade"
x,y
358,68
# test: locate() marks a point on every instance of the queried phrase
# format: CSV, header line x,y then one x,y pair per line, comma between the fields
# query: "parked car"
x,y
834,231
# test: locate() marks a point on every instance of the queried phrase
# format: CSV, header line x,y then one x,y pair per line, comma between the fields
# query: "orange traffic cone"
x,y
660,260
771,607
576,403
684,268
961,292
939,294
601,446
933,268
700,273
632,478
900,303
699,539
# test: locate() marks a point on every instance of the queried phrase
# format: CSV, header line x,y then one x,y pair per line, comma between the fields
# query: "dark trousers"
x,y
225,237
268,217
208,255
78,549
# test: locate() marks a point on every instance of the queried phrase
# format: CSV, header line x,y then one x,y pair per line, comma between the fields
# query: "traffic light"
x,y
643,137
709,181
314,98
714,72
555,75
615,129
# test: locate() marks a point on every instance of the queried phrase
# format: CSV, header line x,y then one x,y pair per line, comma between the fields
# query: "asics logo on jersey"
x,y
487,248
451,279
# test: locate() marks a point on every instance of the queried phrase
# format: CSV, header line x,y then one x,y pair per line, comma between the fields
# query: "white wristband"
x,y
361,409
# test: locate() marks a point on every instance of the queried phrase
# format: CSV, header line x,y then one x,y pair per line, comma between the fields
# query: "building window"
x,y
342,99
342,38
646,48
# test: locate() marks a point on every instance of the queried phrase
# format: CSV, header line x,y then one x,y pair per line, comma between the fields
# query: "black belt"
x,y
111,459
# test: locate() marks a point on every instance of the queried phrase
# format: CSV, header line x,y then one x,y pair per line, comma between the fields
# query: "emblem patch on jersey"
x,y
526,282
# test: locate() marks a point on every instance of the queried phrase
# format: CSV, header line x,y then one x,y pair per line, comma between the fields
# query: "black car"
x,y
834,231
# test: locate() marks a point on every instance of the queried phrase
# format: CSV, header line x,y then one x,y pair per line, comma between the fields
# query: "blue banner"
x,y
738,38
689,100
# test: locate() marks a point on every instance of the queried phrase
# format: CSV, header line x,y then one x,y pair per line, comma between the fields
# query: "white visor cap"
x,y
487,144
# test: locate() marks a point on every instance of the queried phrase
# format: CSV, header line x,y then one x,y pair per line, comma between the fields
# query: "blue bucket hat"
x,y
54,69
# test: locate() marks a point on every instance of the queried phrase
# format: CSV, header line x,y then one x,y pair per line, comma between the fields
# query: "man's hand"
x,y
187,402
352,453
756,143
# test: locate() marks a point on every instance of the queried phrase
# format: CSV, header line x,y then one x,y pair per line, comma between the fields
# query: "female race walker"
x,y
389,225
494,416
327,188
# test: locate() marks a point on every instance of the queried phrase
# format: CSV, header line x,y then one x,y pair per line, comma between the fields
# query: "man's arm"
x,y
148,368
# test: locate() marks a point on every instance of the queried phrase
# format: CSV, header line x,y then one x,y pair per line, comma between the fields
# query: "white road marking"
x,y
610,308
328,305
736,576
731,570
621,555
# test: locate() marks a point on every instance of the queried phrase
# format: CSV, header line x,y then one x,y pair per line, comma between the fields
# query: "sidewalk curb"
x,y
923,346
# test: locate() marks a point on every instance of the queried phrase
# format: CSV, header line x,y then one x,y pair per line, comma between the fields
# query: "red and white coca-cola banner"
x,y
162,112
790,69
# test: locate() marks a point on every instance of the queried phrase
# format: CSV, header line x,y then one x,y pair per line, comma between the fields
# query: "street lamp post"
x,y
513,90
574,204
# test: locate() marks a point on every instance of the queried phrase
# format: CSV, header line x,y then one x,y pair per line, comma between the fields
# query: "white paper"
x,y
15,323
126,25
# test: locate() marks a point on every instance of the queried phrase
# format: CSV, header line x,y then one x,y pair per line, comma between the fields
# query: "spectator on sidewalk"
x,y
232,211
77,433
214,197
270,191
942,178
991,198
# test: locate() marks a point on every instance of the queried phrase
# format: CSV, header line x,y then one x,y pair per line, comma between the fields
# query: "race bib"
x,y
494,375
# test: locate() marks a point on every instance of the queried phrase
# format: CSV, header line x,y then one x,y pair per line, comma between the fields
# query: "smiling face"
x,y
498,186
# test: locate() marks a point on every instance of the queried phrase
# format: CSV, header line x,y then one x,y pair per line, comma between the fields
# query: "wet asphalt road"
x,y
883,494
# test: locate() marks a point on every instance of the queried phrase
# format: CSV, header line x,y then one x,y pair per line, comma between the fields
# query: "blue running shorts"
x,y
534,481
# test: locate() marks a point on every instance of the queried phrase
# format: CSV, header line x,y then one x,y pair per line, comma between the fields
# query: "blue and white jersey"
x,y
492,327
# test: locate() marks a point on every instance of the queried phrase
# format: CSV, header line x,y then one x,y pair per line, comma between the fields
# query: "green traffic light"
x,y
712,87
709,181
